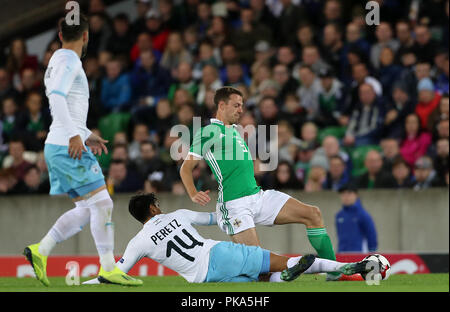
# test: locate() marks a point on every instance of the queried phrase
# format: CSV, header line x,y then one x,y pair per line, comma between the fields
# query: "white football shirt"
x,y
65,77
171,240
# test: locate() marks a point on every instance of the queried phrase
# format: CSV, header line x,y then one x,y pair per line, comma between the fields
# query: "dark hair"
x,y
139,206
224,93
73,32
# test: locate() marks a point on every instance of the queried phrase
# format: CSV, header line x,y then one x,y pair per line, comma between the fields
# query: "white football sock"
x,y
102,228
319,266
67,225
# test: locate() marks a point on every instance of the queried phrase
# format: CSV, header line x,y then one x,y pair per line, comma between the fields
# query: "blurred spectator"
x,y
143,43
317,174
121,40
116,87
184,80
32,183
156,29
209,82
262,14
442,81
142,7
330,147
424,174
288,20
441,112
17,60
388,71
6,88
287,143
121,180
304,36
416,142
404,37
401,172
354,226
425,47
443,129
140,134
365,125
308,133
248,34
148,160
331,98
390,151
205,57
17,163
94,73
284,178
218,31
175,53
440,162
311,57
360,75
99,32
428,100
337,175
148,79
308,92
397,110
287,84
302,165
36,122
333,46
375,177
12,120
384,40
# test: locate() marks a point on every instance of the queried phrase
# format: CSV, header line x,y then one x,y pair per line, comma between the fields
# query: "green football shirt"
x,y
229,158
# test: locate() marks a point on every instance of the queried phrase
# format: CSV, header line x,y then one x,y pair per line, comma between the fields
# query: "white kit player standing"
x,y
69,153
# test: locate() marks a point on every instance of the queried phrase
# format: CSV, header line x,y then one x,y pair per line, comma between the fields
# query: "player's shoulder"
x,y
67,57
208,129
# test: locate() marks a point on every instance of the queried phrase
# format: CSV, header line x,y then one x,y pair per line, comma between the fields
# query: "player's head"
x,y
229,102
76,32
144,206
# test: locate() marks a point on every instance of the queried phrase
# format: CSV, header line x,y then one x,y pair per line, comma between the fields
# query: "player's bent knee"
x,y
315,217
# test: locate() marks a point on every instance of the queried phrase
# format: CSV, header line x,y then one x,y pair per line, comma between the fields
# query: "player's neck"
x,y
222,119
74,46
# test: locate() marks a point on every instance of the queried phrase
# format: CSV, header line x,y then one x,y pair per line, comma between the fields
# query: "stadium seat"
x,y
338,132
358,154
113,123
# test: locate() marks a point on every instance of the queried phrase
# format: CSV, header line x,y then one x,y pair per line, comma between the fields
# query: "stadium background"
x,y
151,68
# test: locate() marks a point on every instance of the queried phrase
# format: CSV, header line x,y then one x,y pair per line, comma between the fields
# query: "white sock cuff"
x,y
292,261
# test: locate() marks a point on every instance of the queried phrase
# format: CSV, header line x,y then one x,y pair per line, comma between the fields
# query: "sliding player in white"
x,y
69,153
171,240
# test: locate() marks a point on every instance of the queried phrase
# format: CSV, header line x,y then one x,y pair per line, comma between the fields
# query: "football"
x,y
381,272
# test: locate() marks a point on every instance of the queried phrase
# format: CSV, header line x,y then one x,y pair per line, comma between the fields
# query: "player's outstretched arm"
x,y
188,165
200,218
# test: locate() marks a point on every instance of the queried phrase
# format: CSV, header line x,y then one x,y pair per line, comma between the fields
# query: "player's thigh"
x,y
248,237
294,211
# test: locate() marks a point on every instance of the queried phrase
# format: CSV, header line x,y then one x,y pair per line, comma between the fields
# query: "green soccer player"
x,y
241,203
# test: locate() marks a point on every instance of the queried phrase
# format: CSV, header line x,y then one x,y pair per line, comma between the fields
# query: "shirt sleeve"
x,y
199,145
60,111
199,218
133,253
63,75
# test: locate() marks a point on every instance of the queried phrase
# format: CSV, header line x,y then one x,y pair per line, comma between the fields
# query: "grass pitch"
x,y
305,283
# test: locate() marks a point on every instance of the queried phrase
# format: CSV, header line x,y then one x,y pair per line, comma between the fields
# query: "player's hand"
x,y
97,144
76,147
201,198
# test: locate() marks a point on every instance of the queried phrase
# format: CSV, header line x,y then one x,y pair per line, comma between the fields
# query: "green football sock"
x,y
321,242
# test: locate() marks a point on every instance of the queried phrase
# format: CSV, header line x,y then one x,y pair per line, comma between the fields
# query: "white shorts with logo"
x,y
243,213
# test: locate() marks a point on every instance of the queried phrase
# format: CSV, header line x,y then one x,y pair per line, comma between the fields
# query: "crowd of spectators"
x,y
353,102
